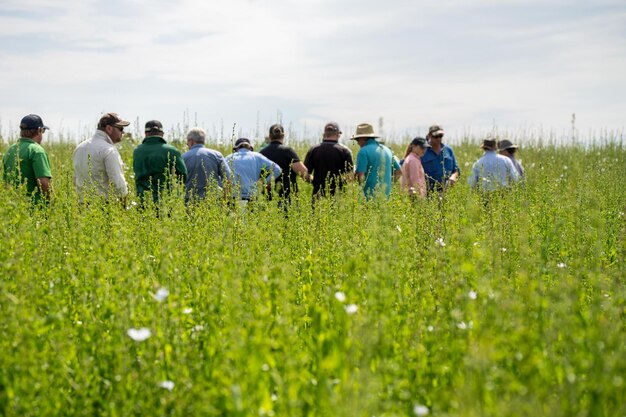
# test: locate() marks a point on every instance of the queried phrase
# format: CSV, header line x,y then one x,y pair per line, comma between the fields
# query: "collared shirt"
x,y
328,162
247,168
492,172
377,163
98,166
518,167
25,162
284,156
413,177
439,167
156,165
204,165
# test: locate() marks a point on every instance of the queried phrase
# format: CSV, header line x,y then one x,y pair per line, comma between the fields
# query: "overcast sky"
x,y
520,66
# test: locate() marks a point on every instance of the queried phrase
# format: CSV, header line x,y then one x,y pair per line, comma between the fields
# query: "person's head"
x,y
113,126
154,128
32,127
418,146
364,132
506,147
332,131
277,133
242,143
196,136
435,135
489,144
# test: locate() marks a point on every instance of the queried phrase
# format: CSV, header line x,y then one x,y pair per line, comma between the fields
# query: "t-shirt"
x,y
328,162
284,157
33,164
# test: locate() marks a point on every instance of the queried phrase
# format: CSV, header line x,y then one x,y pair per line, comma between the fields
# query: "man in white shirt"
x,y
98,166
492,171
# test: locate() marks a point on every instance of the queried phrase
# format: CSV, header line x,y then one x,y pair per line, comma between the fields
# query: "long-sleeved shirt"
x,y
413,177
492,172
98,166
247,168
203,166
438,167
156,165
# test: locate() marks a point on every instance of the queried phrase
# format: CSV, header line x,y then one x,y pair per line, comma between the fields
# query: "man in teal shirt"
x,y
26,162
375,164
156,164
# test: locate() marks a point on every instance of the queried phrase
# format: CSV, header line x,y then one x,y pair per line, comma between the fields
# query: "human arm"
x,y
180,167
115,172
361,166
45,187
41,168
300,169
397,172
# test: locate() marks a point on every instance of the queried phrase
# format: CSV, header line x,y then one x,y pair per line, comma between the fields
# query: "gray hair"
x,y
197,135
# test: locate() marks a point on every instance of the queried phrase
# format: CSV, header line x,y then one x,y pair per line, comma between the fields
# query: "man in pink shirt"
x,y
413,177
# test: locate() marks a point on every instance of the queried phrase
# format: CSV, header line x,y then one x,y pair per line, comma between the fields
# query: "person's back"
x,y
329,162
156,164
205,167
284,157
492,171
377,163
247,167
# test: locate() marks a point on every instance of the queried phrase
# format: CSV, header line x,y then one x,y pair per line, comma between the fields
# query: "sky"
x,y
511,67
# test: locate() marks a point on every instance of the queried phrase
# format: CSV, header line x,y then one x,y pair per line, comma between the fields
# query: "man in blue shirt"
x,y
492,171
439,162
206,168
247,168
375,164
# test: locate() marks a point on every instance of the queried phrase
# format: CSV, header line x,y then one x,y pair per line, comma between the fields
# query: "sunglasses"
x,y
121,129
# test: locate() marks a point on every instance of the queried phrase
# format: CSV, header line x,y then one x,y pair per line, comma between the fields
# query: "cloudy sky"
x,y
472,66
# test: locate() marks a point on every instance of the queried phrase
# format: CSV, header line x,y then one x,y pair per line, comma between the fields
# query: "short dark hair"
x,y
29,133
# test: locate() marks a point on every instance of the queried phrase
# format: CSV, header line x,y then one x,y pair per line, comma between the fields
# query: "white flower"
x,y
188,311
430,328
476,243
464,326
472,295
352,308
139,335
161,294
197,328
399,229
168,385
420,410
440,242
561,265
503,249
340,296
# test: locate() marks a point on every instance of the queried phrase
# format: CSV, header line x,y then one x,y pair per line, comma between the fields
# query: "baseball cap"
x,y
435,130
421,142
276,131
332,127
111,119
242,142
32,121
154,126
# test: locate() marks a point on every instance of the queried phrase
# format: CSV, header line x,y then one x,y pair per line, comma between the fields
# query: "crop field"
x,y
509,306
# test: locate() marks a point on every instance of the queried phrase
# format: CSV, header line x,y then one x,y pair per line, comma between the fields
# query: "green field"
x,y
514,307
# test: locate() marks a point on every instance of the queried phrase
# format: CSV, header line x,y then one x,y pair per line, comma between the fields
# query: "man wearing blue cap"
x,y
26,162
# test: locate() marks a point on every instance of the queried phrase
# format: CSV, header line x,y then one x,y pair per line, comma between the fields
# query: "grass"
x,y
520,312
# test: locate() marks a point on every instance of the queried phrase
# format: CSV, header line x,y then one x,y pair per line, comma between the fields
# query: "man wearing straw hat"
x,y
508,149
492,171
375,164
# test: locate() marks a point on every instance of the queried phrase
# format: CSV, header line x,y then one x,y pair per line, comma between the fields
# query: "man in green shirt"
x,y
26,162
156,164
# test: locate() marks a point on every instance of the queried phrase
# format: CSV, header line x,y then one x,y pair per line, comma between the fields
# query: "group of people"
x,y
428,165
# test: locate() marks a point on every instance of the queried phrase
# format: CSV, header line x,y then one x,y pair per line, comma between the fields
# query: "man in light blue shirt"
x,y
248,167
206,168
492,171
375,164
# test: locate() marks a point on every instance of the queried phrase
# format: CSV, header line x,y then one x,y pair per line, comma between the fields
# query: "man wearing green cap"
x,y
156,164
26,162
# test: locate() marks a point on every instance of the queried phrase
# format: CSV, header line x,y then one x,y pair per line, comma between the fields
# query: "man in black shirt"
x,y
329,162
288,161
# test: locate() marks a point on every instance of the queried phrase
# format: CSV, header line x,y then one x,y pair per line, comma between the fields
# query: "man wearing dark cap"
x,y
439,162
508,149
329,162
492,171
247,168
287,160
26,162
156,164
98,166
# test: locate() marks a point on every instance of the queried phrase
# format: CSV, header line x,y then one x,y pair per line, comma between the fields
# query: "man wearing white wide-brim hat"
x,y
375,164
492,171
508,149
